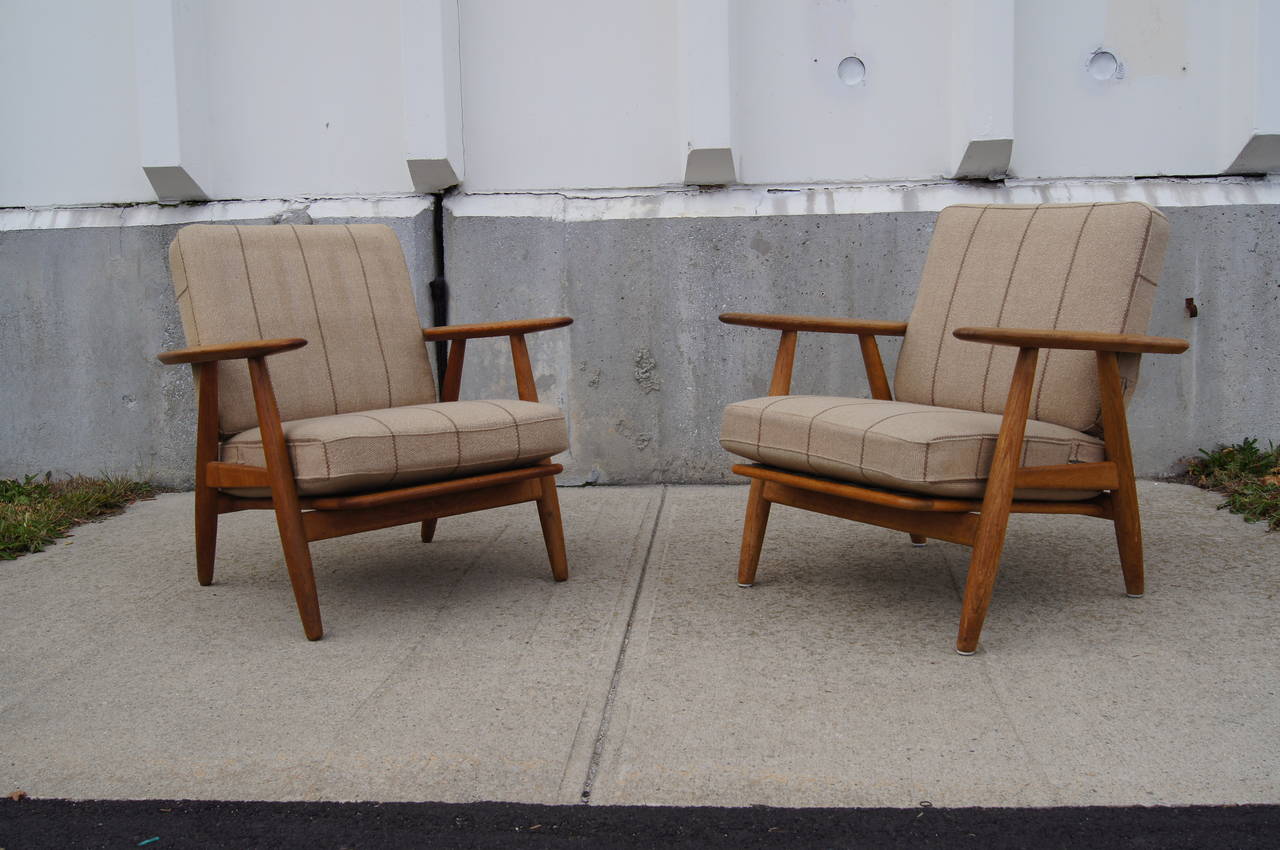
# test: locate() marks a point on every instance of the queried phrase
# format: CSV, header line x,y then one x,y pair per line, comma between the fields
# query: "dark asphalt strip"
x,y
158,825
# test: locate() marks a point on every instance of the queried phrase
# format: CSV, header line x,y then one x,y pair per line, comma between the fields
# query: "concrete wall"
x,y
646,369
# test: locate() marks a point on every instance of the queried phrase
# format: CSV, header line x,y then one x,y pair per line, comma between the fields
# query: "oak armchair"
x,y
984,424
344,432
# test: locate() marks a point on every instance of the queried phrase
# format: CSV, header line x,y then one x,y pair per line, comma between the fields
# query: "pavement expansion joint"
x,y
597,752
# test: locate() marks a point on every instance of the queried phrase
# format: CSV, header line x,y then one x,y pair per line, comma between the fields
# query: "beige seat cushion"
x,y
922,449
400,446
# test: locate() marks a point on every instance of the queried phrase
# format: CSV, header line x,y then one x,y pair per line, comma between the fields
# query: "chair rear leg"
x,y
753,528
1128,523
206,533
919,540
428,530
552,528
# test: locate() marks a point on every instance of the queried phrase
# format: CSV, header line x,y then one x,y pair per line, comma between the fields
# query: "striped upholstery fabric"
x,y
1067,266
397,447
919,448
344,288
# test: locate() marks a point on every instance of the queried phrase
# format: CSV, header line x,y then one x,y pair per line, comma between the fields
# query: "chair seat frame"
x,y
303,519
980,524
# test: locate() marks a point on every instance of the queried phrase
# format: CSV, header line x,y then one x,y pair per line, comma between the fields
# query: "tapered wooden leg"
x,y
297,559
919,540
1124,499
552,529
984,563
996,504
428,530
753,528
1129,537
284,498
206,378
206,533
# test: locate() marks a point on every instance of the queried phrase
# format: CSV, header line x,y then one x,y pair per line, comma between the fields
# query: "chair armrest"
x,y
1077,340
229,351
488,329
818,324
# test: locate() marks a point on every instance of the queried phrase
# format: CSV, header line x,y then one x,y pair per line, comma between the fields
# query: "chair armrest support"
x,y
1075,340
817,324
866,330
229,351
490,329
514,330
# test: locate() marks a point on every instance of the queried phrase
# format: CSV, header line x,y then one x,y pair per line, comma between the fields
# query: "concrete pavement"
x,y
458,670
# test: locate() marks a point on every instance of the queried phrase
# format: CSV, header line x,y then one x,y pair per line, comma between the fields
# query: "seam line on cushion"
x,y
991,350
862,450
1137,274
315,306
808,437
514,421
377,334
182,258
1062,297
395,451
955,285
878,471
457,440
760,417
248,281
336,440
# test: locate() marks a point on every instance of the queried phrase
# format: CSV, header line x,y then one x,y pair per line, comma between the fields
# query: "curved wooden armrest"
x,y
517,326
818,324
229,351
1077,340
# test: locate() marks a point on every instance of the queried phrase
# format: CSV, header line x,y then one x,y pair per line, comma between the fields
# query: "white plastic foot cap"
x,y
919,545
740,584
1134,595
962,652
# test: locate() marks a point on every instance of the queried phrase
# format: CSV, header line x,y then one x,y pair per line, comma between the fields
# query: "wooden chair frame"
x,y
302,519
981,523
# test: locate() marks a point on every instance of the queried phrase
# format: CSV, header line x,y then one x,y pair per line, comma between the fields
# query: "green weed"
x,y
38,510
1249,476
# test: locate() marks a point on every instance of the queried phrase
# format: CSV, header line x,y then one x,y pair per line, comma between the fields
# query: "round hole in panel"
x,y
852,71
1103,65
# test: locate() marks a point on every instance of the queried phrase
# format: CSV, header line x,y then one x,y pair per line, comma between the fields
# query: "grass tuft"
x,y
1249,476
37,510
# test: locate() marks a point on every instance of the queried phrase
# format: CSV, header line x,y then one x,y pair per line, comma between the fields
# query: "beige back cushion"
x,y
1087,267
343,288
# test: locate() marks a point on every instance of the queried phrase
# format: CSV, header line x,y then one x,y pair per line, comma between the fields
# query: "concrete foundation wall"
x,y
646,369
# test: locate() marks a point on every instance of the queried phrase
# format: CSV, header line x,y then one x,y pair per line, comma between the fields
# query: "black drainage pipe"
x,y
438,289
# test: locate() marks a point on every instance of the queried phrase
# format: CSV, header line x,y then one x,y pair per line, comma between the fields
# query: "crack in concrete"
x,y
597,752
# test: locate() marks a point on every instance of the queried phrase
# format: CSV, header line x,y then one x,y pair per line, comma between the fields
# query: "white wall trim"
x,y
668,202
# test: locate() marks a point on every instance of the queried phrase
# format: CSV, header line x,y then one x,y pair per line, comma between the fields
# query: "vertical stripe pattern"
x,y
343,288
1065,266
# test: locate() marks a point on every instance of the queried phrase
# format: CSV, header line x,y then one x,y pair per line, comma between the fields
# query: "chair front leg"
x,y
753,528
284,497
1124,499
206,497
996,504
